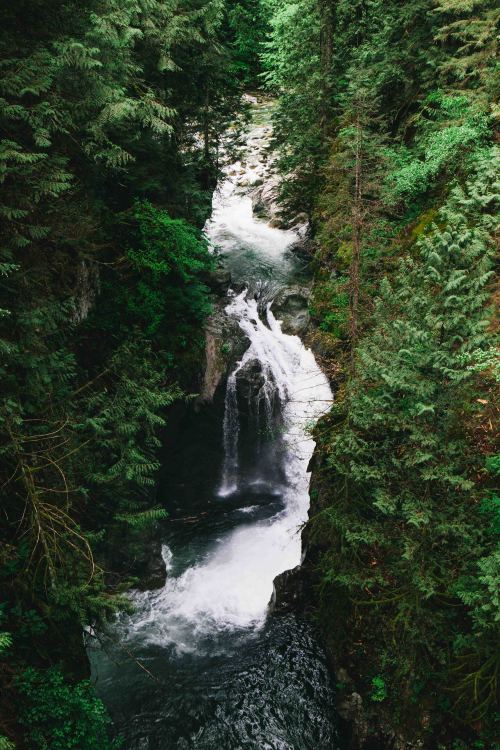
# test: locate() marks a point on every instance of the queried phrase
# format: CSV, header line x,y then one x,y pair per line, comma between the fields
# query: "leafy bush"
x,y
449,128
59,716
379,689
167,251
329,306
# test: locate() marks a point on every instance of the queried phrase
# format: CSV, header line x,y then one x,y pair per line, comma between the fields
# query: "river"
x,y
201,663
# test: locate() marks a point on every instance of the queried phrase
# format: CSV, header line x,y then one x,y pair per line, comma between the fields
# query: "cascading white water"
x,y
230,587
231,429
199,666
282,359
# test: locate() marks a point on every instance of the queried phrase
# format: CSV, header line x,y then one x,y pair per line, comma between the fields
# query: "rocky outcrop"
x,y
289,591
223,337
143,563
225,344
249,381
215,364
150,567
361,730
351,711
266,205
265,202
219,281
291,307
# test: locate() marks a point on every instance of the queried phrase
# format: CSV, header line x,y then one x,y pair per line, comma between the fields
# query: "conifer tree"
x,y
401,525
104,189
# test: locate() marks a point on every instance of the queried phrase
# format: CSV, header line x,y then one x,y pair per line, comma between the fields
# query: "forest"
x,y
118,119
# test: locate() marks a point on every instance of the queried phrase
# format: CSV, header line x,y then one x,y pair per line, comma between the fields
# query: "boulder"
x,y
291,307
149,566
265,201
224,345
218,280
289,591
249,381
352,711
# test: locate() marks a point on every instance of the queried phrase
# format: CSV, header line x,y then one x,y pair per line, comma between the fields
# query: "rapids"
x,y
201,663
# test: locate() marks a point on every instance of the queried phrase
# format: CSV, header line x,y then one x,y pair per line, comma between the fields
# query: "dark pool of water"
x,y
269,690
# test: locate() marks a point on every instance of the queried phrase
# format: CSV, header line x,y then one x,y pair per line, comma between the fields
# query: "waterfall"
x,y
231,429
210,668
264,350
226,587
230,587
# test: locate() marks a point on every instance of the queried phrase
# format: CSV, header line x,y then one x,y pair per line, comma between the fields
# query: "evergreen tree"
x,y
349,207
292,58
401,528
112,117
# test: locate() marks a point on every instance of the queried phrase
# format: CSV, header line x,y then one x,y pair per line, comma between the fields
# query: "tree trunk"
x,y
206,140
326,52
357,220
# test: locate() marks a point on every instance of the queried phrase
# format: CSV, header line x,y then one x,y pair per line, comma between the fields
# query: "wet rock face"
x,y
257,398
249,381
214,368
219,281
352,711
291,306
224,345
265,201
143,560
289,591
266,204
151,568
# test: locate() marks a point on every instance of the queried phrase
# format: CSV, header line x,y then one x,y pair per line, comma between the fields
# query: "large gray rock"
x,y
265,201
149,566
351,709
218,280
291,306
249,381
225,344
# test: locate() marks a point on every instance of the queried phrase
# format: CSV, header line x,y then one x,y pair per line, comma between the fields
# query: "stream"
x,y
201,663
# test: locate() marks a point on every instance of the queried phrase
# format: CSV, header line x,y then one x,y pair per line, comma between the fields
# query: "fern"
x,y
142,519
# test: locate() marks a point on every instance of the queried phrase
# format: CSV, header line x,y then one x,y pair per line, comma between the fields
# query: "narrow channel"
x,y
201,663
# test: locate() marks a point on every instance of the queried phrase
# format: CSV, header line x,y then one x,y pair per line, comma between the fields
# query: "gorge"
x,y
249,375
221,670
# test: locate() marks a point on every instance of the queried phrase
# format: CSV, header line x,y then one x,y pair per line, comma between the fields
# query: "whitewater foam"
x,y
230,587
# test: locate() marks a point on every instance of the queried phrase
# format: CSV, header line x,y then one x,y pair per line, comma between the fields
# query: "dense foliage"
x,y
389,149
248,21
114,124
112,116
